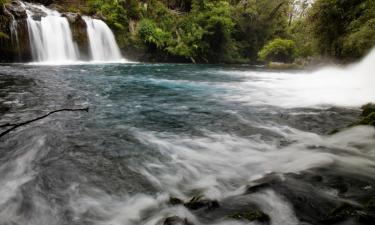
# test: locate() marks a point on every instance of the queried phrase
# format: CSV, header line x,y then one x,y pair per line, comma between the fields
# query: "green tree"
x,y
343,28
279,50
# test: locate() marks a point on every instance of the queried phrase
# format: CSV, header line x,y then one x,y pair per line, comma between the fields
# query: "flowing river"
x,y
161,131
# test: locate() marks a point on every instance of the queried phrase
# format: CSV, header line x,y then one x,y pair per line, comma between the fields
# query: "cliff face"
x,y
14,43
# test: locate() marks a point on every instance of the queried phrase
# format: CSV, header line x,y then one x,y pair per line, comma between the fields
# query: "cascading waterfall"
x,y
51,38
103,46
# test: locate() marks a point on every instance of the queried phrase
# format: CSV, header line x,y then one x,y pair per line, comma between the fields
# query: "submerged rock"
x,y
175,201
199,202
175,220
254,215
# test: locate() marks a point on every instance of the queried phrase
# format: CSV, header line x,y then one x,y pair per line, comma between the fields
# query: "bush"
x,y
280,50
151,35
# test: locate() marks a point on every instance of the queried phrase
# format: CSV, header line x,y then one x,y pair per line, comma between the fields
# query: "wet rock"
x,y
348,212
175,220
254,215
56,7
72,17
368,120
368,109
321,196
199,202
37,14
16,9
79,32
175,201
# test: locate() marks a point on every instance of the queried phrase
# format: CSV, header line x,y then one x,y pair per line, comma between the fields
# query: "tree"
x,y
279,50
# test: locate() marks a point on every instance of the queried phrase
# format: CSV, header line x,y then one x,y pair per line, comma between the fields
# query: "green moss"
x,y
368,109
3,35
254,215
345,211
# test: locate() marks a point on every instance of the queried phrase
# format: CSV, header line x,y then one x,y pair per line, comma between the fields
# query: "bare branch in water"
x,y
16,125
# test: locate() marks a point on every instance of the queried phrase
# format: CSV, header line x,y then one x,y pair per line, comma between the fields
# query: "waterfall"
x,y
103,46
50,38
13,27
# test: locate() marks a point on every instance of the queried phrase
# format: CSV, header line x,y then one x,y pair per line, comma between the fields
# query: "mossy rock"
x,y
348,212
175,201
368,120
199,202
254,215
368,109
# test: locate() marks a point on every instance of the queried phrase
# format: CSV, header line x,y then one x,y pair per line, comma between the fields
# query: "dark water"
x,y
160,131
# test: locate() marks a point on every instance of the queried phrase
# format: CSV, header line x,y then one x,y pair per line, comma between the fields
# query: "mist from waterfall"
x,y
103,46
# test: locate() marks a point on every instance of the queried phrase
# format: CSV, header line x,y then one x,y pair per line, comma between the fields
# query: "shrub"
x,y
280,50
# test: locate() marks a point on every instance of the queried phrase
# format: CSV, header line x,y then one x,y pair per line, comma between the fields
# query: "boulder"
x,y
72,17
16,9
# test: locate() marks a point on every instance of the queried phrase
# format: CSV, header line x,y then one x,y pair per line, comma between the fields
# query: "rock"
x,y
72,17
175,220
16,9
254,215
198,202
368,120
344,212
56,7
175,201
368,109
37,13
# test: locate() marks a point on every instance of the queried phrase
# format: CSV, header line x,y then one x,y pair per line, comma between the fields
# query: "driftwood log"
x,y
16,125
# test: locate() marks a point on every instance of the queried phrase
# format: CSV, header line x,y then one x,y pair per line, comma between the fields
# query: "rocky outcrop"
x,y
14,44
79,32
16,9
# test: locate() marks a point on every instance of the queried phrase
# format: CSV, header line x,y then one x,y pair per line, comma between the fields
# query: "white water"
x,y
349,86
103,46
51,38
52,42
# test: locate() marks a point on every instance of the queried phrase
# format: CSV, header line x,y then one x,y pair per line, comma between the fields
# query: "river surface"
x,y
156,131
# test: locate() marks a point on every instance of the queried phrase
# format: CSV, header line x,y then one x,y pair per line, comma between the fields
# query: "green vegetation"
x,y
237,31
344,29
280,50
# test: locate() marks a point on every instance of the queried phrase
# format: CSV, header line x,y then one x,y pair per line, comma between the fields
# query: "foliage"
x,y
237,30
343,28
152,35
111,10
281,50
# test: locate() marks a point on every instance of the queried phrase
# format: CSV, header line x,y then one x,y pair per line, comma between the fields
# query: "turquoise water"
x,y
156,131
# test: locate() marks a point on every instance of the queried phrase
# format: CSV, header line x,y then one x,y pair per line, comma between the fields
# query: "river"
x,y
156,131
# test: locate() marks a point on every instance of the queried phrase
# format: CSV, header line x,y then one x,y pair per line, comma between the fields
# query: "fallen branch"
x,y
16,125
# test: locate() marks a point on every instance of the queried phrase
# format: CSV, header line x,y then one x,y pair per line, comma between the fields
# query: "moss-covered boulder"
x,y
368,109
199,202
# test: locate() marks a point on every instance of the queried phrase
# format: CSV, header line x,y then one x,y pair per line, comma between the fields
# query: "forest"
x,y
232,31
242,31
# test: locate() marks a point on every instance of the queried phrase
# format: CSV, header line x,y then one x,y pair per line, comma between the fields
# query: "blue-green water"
x,y
156,131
